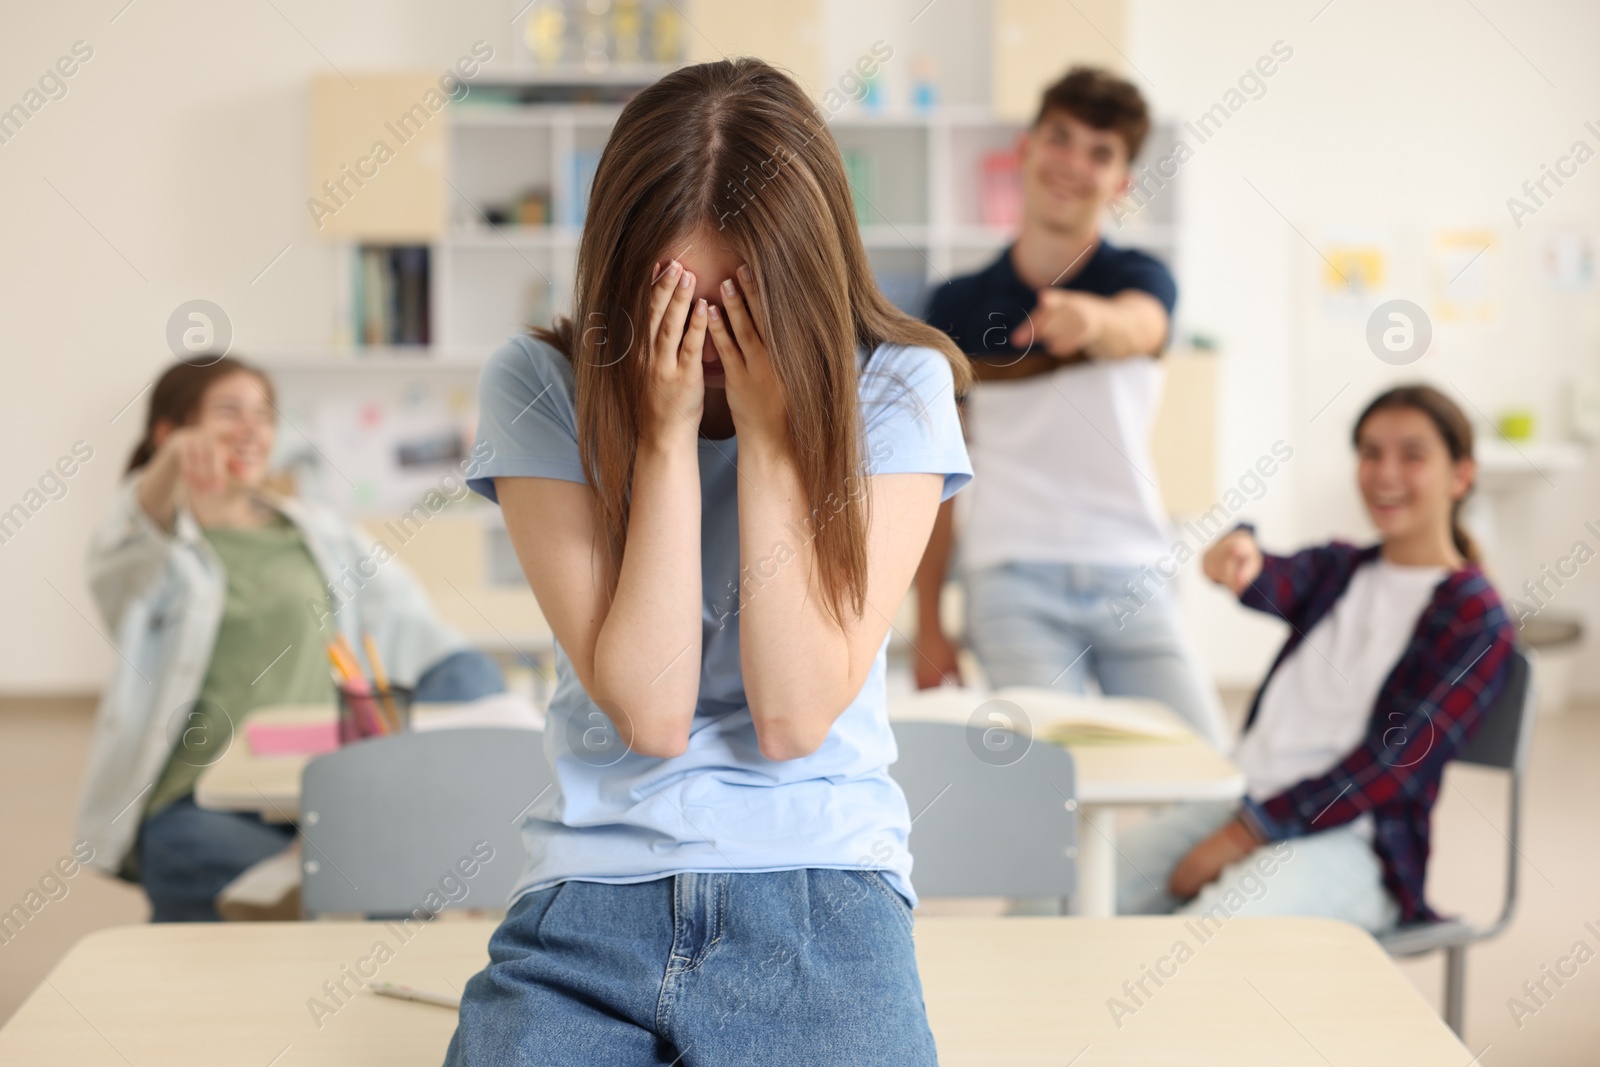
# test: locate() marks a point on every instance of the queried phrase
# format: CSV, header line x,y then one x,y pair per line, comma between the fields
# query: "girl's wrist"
x,y
669,442
764,451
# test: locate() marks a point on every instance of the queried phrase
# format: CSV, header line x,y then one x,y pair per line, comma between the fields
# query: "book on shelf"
x,y
391,293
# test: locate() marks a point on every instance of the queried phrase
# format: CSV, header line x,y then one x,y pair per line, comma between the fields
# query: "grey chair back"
x,y
428,820
1502,738
1502,742
987,822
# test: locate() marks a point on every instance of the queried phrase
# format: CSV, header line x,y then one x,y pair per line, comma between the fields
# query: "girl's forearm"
x,y
158,489
795,658
647,654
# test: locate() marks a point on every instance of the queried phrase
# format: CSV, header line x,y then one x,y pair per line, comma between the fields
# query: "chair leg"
x,y
1455,988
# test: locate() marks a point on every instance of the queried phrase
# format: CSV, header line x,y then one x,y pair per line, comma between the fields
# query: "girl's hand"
x,y
676,393
1234,561
1207,859
754,395
204,459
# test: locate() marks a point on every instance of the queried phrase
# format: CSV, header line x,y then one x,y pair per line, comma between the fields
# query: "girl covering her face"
x,y
719,476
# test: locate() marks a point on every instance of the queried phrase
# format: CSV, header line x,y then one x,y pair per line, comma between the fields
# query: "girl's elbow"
x,y
789,735
648,730
781,746
660,744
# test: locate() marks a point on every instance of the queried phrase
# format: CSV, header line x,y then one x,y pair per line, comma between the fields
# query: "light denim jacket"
x,y
162,595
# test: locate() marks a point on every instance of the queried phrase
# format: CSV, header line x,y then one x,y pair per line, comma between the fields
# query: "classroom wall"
x,y
173,169
1404,119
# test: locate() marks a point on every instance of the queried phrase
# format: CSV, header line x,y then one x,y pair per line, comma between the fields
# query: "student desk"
x,y
1017,991
240,780
1109,775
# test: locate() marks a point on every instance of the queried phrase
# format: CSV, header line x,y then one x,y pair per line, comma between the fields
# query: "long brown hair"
x,y
1453,427
735,146
176,398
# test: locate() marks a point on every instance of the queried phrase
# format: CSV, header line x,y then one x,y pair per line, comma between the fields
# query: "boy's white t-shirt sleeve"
x,y
527,423
911,421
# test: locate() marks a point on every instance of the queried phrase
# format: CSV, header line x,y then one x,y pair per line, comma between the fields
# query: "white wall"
x,y
183,143
1408,119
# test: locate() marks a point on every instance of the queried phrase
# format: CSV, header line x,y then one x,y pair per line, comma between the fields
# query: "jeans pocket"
x,y
875,880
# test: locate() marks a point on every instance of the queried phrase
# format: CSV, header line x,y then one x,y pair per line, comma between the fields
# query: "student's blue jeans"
x,y
188,854
810,966
1058,624
1331,874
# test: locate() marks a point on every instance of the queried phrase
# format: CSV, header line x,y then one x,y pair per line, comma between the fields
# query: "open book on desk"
x,y
1049,714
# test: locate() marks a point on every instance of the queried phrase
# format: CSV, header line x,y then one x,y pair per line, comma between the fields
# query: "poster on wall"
x,y
1564,261
1465,268
1357,270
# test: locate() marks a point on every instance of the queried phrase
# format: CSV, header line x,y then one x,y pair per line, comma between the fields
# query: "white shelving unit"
x,y
922,218
926,208
489,282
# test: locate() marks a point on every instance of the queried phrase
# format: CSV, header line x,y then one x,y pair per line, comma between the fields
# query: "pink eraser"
x,y
292,739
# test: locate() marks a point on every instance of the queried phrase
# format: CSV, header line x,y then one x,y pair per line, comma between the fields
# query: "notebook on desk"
x,y
1049,714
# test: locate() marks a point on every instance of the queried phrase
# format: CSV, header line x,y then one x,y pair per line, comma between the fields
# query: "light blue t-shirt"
x,y
618,816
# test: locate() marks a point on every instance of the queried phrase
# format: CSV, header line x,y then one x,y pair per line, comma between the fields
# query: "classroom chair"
x,y
1502,742
983,825
425,820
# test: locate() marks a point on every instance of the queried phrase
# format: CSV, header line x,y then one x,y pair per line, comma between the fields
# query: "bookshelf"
x,y
924,218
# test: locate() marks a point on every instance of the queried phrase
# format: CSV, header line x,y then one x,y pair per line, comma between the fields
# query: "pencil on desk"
x,y
424,996
382,680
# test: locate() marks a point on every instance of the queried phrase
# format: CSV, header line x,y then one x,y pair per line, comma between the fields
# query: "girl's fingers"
x,y
752,299
662,288
695,336
672,324
744,330
727,347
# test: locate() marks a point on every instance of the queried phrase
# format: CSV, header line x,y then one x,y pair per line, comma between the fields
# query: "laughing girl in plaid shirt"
x,y
1395,651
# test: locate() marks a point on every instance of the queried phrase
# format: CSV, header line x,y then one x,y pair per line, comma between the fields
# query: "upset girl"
x,y
1394,653
719,476
215,591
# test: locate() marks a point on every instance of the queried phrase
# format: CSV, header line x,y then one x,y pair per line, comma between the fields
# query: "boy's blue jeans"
x,y
1058,624
810,966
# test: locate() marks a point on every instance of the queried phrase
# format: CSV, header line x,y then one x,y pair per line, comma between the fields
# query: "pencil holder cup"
x,y
370,714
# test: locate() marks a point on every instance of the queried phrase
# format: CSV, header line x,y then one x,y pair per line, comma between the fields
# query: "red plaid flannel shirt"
x,y
1430,704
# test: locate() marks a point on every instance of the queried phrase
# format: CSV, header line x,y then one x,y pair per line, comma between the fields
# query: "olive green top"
x,y
269,650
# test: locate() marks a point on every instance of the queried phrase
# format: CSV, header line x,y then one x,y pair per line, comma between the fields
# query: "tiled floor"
x,y
42,746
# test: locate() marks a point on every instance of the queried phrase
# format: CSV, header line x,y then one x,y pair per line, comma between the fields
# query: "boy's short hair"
x,y
1102,100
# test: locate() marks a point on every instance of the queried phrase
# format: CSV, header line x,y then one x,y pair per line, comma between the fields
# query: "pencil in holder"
x,y
364,713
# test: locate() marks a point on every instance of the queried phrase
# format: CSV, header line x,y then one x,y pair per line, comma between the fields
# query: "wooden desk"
x,y
240,780
1014,991
1110,775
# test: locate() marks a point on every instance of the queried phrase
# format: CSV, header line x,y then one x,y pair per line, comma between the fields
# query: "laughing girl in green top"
x,y
218,595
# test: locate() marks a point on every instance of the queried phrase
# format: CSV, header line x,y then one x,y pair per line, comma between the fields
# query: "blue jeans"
x,y
1055,624
808,966
188,854
460,676
1332,874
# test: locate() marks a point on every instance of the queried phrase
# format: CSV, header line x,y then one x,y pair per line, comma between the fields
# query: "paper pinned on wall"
x,y
1356,270
1564,260
1466,272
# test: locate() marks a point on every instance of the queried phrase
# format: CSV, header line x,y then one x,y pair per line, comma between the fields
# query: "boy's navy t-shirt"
x,y
1062,466
980,310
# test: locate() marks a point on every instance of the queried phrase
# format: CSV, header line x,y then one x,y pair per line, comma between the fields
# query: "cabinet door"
x,y
787,35
377,157
1036,41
